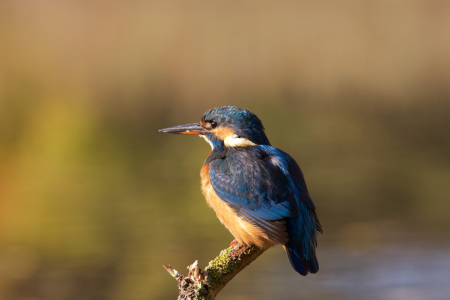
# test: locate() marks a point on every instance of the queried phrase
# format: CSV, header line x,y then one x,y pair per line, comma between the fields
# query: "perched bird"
x,y
257,191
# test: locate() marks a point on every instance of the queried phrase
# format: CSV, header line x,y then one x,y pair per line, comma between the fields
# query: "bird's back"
x,y
263,188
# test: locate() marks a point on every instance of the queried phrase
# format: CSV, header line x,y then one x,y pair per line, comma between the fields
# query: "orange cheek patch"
x,y
222,133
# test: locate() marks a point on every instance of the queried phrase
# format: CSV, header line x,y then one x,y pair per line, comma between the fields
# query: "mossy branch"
x,y
205,285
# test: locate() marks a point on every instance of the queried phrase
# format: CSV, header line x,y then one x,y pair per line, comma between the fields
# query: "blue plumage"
x,y
253,184
261,184
264,183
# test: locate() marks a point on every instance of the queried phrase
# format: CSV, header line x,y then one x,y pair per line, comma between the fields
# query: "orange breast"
x,y
242,230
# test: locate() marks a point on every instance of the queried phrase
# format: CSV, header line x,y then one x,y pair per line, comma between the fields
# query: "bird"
x,y
257,191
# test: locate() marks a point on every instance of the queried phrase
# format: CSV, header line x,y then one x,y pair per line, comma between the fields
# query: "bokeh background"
x,y
93,200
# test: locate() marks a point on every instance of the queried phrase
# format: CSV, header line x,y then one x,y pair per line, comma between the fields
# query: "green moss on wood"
x,y
221,270
224,265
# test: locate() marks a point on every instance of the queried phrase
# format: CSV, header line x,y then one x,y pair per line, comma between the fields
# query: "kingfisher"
x,y
257,191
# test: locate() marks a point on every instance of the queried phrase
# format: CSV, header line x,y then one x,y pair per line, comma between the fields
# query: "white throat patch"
x,y
206,139
233,140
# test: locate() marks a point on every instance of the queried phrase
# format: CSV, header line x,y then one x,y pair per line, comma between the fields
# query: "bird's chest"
x,y
225,214
242,230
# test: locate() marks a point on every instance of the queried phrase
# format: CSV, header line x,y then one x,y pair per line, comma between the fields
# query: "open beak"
x,y
193,128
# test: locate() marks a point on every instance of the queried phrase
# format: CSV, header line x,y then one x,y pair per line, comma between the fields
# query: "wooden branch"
x,y
205,285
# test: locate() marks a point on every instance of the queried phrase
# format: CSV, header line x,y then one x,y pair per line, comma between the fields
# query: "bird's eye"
x,y
213,124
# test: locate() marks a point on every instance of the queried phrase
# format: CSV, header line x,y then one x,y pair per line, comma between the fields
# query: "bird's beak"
x,y
193,128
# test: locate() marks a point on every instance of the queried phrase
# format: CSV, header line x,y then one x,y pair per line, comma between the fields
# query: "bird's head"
x,y
226,126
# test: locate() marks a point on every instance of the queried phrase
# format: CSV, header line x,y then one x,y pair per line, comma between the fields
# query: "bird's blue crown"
x,y
243,122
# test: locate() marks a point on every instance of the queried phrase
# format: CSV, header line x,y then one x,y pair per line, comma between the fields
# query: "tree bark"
x,y
205,285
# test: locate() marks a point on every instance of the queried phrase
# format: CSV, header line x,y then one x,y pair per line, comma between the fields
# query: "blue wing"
x,y
263,185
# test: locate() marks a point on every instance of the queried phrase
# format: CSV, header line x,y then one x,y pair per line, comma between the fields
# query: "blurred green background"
x,y
93,200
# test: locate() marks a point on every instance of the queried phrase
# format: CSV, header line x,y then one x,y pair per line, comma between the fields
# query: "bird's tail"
x,y
302,265
301,248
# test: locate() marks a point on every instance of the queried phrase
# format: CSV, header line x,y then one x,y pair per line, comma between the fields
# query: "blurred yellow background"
x,y
93,200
